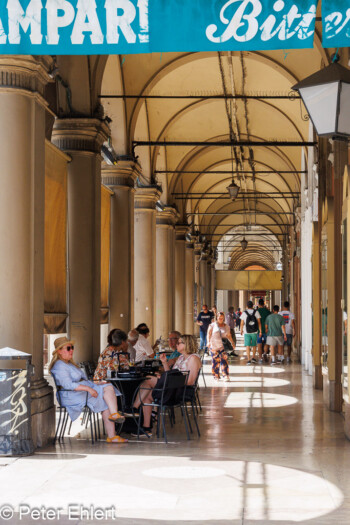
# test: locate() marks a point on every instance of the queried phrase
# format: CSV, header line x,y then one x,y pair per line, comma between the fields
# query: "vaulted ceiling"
x,y
181,98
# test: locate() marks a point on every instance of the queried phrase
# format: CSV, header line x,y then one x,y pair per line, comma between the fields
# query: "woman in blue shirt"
x,y
101,396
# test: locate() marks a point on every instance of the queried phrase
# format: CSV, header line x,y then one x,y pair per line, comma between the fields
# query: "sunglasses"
x,y
180,343
70,348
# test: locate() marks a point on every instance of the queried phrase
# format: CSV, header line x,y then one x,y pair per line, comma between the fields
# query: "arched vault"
x,y
189,97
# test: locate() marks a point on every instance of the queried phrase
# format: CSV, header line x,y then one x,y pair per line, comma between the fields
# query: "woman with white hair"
x,y
72,379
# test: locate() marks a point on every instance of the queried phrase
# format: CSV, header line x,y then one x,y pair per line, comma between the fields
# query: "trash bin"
x,y
15,416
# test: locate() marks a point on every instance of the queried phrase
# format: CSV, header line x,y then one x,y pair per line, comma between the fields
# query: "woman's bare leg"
x,y
147,413
110,399
109,425
146,397
145,391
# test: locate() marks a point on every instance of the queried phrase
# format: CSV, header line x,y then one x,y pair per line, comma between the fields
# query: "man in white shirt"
x,y
250,326
133,337
143,347
289,320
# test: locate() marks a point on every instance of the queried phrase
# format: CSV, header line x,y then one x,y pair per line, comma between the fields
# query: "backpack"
x,y
251,323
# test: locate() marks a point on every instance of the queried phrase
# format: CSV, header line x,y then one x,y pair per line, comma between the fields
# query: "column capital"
x,y
25,73
213,262
198,248
123,174
146,198
181,231
80,134
167,217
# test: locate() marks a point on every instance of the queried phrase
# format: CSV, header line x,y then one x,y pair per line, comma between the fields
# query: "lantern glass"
x,y
344,110
233,190
321,102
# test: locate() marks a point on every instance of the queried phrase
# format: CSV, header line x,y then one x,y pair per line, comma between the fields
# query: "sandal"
x,y
116,439
144,432
154,416
118,419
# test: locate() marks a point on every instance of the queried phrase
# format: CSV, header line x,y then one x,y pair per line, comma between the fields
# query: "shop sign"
x,y
86,27
336,23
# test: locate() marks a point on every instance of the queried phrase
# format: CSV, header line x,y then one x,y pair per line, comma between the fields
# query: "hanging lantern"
x,y
326,95
244,243
233,190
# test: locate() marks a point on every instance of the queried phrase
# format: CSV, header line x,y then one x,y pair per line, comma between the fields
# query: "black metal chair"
x,y
89,368
202,355
192,398
88,416
170,396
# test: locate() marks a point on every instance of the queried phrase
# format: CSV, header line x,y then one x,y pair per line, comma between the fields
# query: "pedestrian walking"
x,y
276,334
231,322
262,346
204,319
250,327
217,331
289,320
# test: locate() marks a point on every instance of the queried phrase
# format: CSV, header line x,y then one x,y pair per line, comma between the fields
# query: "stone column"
x,y
198,306
316,301
213,281
245,299
22,203
121,180
208,283
171,284
189,289
235,299
203,279
165,271
145,257
180,269
82,138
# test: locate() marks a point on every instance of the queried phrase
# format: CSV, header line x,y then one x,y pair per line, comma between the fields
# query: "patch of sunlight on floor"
x,y
258,400
257,369
258,382
172,487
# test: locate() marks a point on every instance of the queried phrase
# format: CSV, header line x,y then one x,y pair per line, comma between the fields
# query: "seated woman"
x,y
101,397
189,361
114,355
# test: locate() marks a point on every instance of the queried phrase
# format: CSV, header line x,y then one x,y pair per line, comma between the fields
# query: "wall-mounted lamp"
x,y
326,95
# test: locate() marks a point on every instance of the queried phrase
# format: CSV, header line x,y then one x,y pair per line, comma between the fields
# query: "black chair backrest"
x,y
89,368
191,389
175,385
58,390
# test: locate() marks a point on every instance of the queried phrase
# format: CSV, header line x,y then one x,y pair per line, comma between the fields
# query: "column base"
x,y
43,413
346,406
332,394
318,379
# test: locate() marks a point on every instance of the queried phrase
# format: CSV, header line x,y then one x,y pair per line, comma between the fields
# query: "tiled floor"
x,y
269,453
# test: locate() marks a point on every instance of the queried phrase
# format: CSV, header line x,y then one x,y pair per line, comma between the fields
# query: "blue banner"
x,y
336,23
85,27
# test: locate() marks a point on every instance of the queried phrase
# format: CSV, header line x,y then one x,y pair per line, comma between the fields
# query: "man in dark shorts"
x,y
276,334
262,346
204,319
